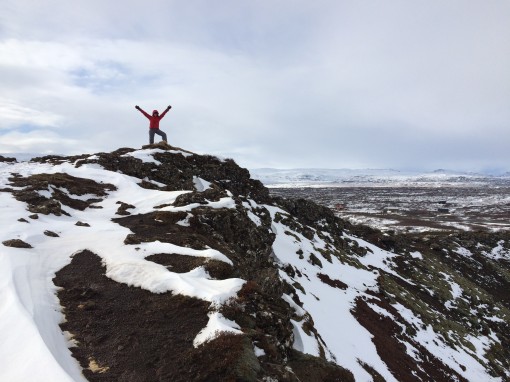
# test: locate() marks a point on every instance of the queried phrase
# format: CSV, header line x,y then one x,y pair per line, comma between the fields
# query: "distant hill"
x,y
365,177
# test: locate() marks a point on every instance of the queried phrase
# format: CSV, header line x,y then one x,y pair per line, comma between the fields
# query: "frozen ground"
x,y
387,199
414,208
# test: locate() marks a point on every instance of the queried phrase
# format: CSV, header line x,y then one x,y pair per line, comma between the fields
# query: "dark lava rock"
x,y
7,159
22,220
122,210
219,270
332,282
209,195
178,169
313,369
34,216
55,182
16,243
51,233
75,185
82,224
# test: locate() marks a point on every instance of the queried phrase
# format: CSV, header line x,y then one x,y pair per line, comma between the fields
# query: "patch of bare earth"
x,y
129,334
314,369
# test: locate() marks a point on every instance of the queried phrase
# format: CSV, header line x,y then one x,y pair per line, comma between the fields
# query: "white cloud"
x,y
37,141
14,114
289,83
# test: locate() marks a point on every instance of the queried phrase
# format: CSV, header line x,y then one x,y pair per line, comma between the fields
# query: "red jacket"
x,y
154,119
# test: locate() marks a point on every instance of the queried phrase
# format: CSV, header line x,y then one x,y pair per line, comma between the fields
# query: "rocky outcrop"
x,y
156,342
16,243
7,159
176,169
46,193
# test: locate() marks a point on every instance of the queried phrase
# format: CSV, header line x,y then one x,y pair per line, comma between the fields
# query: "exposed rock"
x,y
51,233
177,169
7,159
61,186
16,243
122,210
313,369
182,264
209,195
82,224
331,282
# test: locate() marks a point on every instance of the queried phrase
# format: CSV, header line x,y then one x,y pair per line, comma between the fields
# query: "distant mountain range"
x,y
369,177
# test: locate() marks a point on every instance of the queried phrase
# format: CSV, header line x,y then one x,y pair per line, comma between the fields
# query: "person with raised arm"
x,y
154,123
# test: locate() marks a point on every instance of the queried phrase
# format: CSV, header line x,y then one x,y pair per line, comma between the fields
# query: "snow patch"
x,y
345,339
201,184
258,351
416,255
146,156
463,252
304,342
216,326
499,252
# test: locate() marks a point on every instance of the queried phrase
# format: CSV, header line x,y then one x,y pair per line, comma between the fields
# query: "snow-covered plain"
x,y
371,177
430,202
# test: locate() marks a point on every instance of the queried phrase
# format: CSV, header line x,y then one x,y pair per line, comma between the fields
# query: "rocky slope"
x,y
173,266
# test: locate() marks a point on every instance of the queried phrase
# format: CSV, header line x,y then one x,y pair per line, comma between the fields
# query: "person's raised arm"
x,y
166,111
142,111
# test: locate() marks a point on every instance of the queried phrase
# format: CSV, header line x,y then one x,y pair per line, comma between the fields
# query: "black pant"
x,y
156,131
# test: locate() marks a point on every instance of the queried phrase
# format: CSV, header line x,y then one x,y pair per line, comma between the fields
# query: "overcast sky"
x,y
271,83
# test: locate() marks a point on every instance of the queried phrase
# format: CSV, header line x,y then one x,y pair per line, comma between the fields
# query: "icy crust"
x,y
201,184
29,309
